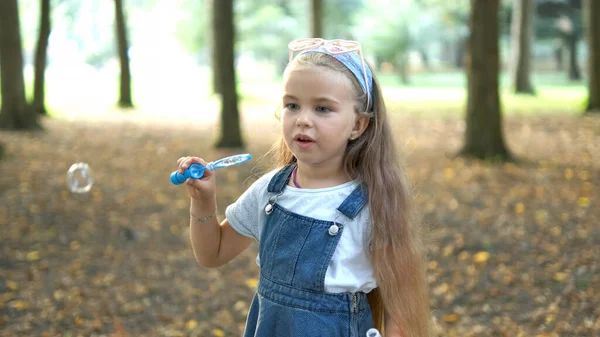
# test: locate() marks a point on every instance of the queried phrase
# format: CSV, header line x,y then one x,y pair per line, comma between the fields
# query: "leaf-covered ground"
x,y
513,249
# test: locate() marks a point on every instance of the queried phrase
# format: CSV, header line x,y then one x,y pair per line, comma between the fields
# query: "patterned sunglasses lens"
x,y
340,46
304,44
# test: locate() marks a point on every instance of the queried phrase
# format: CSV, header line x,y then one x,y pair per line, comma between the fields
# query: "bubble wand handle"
x,y
196,170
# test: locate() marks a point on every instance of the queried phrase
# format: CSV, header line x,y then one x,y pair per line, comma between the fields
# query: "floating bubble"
x,y
80,178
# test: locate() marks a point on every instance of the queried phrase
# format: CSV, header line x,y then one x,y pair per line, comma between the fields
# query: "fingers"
x,y
180,162
184,163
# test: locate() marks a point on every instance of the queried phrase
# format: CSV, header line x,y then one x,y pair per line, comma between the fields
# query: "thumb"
x,y
207,175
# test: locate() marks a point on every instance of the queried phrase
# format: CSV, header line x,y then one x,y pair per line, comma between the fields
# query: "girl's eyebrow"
x,y
326,99
317,99
289,97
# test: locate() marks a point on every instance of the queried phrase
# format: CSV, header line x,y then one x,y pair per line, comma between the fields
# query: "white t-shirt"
x,y
350,268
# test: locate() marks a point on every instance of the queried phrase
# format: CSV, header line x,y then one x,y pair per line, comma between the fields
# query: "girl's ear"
x,y
360,125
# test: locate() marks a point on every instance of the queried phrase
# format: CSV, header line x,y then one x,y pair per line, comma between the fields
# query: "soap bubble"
x,y
80,178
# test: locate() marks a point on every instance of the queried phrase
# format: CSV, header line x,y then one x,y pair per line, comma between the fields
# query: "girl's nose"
x,y
304,119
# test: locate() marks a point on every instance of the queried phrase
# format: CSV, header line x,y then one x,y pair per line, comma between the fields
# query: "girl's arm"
x,y
214,244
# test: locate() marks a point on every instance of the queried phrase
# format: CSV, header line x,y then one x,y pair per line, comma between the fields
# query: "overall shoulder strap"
x,y
280,179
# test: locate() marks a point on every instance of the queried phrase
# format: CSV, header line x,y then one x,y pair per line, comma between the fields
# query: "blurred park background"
x,y
495,104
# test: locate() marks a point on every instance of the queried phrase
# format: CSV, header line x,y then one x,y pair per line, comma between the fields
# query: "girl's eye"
x,y
323,109
292,106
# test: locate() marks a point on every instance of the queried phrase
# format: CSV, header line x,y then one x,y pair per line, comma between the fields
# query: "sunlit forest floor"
x,y
512,248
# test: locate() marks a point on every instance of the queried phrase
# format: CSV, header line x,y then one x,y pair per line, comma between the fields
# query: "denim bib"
x,y
295,252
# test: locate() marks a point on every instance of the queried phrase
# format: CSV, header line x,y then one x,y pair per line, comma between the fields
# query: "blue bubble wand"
x,y
196,170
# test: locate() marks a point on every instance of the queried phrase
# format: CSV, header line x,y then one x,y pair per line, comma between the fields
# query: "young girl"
x,y
338,251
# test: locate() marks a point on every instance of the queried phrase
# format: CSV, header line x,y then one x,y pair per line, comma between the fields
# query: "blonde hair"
x,y
397,251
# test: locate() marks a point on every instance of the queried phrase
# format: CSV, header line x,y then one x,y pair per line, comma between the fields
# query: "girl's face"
x,y
318,117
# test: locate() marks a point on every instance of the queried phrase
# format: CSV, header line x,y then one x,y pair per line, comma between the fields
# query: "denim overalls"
x,y
294,255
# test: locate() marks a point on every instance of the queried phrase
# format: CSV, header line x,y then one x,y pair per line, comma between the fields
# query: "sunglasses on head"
x,y
333,47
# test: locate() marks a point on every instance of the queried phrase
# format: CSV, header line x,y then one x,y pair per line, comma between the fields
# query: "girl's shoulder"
x,y
261,184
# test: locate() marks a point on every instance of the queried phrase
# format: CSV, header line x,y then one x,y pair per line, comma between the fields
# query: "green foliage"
x,y
266,30
340,18
101,55
389,34
553,20
193,27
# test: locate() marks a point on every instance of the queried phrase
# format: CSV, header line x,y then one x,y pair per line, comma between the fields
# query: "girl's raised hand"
x,y
202,189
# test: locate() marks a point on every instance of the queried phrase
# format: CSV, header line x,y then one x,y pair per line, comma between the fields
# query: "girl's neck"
x,y
309,176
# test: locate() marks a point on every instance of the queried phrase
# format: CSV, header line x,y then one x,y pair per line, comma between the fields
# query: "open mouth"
x,y
304,142
303,139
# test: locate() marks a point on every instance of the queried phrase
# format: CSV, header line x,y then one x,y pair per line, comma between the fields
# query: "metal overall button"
x,y
335,228
271,202
269,208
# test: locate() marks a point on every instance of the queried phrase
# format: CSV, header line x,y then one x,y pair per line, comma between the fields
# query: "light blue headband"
x,y
352,61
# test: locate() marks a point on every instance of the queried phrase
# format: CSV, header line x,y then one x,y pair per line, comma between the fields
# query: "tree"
x,y
40,59
317,18
214,58
453,20
561,19
483,134
592,16
340,18
224,38
123,47
571,37
522,29
390,35
265,29
15,112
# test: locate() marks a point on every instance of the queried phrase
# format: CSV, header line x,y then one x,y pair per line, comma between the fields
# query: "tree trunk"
x,y
15,113
122,45
231,136
425,58
40,59
317,18
558,57
592,16
522,31
459,56
216,85
483,134
402,68
571,42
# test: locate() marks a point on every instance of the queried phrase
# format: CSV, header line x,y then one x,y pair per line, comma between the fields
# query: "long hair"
x,y
397,252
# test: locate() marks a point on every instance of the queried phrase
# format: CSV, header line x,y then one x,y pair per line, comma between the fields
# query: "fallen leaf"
x,y
12,285
583,202
19,305
560,276
218,332
33,255
449,173
520,208
191,324
568,174
252,283
450,318
481,257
